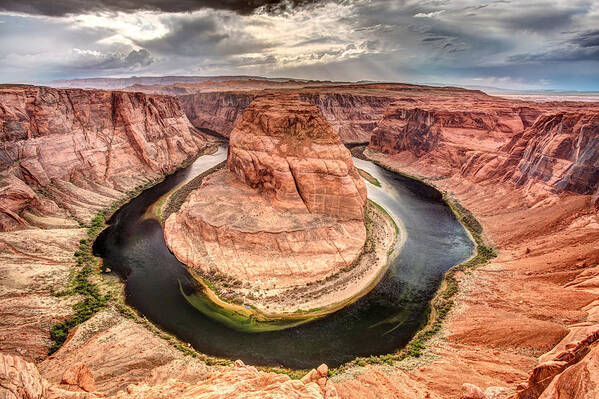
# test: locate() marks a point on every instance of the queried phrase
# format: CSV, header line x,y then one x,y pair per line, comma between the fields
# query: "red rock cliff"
x,y
289,208
423,128
495,140
54,138
560,150
216,111
353,116
285,148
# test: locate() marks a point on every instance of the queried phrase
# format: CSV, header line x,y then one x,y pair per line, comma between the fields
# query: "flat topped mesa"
x,y
287,210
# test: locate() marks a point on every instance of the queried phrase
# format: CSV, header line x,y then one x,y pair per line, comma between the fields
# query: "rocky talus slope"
x,y
20,379
288,209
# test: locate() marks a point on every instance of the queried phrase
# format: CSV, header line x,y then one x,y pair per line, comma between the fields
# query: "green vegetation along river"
x,y
380,322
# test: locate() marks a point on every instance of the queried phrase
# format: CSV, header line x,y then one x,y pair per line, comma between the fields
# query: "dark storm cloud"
x,y
582,47
508,42
74,7
201,36
187,36
587,39
560,55
102,62
141,57
433,39
541,18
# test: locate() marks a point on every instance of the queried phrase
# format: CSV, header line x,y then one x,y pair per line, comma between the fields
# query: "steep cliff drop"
x,y
287,213
353,115
559,152
535,192
64,156
70,152
527,321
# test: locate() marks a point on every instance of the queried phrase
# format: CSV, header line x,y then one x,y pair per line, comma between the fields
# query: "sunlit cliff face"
x,y
500,43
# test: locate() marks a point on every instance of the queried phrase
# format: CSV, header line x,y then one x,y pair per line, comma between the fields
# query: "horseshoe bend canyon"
x,y
445,240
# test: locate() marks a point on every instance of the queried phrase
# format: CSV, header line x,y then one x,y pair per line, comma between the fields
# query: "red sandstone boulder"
x,y
577,381
80,376
470,391
20,379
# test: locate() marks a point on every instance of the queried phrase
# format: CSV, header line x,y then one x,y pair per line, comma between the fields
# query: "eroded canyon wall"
x,y
287,149
561,150
530,177
497,142
57,142
215,111
541,290
353,115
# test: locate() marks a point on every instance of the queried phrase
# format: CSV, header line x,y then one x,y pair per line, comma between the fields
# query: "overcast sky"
x,y
503,43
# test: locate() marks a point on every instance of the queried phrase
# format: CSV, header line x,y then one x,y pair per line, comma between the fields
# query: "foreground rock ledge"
x,y
288,211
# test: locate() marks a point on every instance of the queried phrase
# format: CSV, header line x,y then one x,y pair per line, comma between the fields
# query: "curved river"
x,y
381,322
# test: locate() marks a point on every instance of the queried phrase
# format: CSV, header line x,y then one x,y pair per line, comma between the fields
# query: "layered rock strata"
x,y
75,146
289,208
534,192
353,115
560,151
529,145
448,133
535,304
65,155
215,111
180,378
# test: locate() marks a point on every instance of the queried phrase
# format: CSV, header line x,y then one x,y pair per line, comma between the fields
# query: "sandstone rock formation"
x,y
531,307
215,111
352,113
65,155
288,210
242,382
569,373
286,149
61,141
448,132
488,140
506,178
79,376
560,150
20,379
